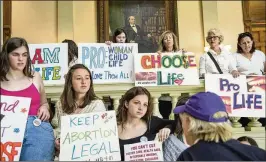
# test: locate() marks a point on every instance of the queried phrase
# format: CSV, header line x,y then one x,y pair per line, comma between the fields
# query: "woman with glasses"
x,y
249,61
217,60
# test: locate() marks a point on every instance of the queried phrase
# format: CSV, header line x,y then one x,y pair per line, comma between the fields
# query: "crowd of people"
x,y
201,129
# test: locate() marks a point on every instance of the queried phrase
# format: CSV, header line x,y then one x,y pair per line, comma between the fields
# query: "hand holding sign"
x,y
163,134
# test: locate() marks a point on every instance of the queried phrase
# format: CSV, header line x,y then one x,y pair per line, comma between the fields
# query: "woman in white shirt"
x,y
249,61
220,54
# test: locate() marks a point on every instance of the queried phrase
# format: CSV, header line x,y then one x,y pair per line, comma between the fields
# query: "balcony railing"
x,y
115,91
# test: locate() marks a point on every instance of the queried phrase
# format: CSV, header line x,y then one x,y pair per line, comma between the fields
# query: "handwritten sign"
x,y
89,137
109,63
14,114
51,61
243,96
166,69
144,151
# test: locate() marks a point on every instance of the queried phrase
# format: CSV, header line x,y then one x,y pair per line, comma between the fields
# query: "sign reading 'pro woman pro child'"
x,y
109,63
89,137
51,61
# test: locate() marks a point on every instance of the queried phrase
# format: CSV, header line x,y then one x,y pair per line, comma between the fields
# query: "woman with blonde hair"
x,y
168,42
207,129
218,59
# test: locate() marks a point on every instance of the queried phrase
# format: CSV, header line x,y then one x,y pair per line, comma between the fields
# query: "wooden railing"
x,y
115,91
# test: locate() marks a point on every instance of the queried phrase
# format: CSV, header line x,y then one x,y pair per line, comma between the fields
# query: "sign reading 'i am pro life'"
x,y
51,61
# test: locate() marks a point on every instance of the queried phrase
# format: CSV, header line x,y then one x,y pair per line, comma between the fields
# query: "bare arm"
x,y
44,106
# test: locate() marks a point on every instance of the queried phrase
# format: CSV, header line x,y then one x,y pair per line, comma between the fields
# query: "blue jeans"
x,y
38,143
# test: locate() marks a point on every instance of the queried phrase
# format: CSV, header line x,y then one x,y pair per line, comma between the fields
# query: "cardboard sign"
x,y
144,151
51,61
14,114
89,137
168,69
109,63
243,96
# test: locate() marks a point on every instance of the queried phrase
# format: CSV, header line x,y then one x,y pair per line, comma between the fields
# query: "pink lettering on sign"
x,y
8,107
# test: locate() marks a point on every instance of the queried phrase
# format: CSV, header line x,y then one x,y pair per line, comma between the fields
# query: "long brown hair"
x,y
67,98
129,95
162,47
10,45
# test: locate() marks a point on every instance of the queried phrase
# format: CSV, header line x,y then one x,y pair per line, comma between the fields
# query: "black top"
x,y
154,125
222,151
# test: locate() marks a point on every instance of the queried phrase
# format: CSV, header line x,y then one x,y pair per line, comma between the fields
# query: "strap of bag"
x,y
215,63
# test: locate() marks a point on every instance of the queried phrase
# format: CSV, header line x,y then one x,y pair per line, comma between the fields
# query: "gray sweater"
x,y
172,148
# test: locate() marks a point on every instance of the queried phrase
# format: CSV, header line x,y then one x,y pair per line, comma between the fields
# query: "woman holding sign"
x,y
78,97
218,59
18,79
167,44
136,122
119,36
249,61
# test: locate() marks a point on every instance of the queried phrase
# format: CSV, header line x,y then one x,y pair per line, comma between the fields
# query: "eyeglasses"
x,y
213,37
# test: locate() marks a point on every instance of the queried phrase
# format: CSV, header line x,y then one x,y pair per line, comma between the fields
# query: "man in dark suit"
x,y
133,31
136,35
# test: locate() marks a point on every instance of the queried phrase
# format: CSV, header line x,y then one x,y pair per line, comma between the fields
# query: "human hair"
x,y
117,32
178,128
129,95
128,18
72,49
240,37
9,46
210,131
215,32
68,99
162,47
250,140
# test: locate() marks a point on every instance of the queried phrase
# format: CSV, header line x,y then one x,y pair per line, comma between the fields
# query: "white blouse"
x,y
254,65
225,60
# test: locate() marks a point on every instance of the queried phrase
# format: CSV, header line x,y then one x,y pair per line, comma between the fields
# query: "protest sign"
x,y
89,137
243,96
152,69
51,61
109,63
14,114
144,151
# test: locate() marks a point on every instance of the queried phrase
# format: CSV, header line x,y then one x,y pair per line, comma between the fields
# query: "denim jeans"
x,y
38,143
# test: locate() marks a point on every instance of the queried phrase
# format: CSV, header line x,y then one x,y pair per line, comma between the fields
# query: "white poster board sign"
x,y
243,96
89,137
144,151
51,61
167,69
109,63
14,114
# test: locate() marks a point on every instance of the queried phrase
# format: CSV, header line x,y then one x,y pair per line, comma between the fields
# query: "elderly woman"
x,y
217,60
249,61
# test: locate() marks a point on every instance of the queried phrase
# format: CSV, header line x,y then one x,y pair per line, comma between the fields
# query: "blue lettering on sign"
x,y
93,57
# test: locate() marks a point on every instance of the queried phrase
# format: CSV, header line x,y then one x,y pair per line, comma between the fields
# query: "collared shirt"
x,y
134,27
254,65
225,61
